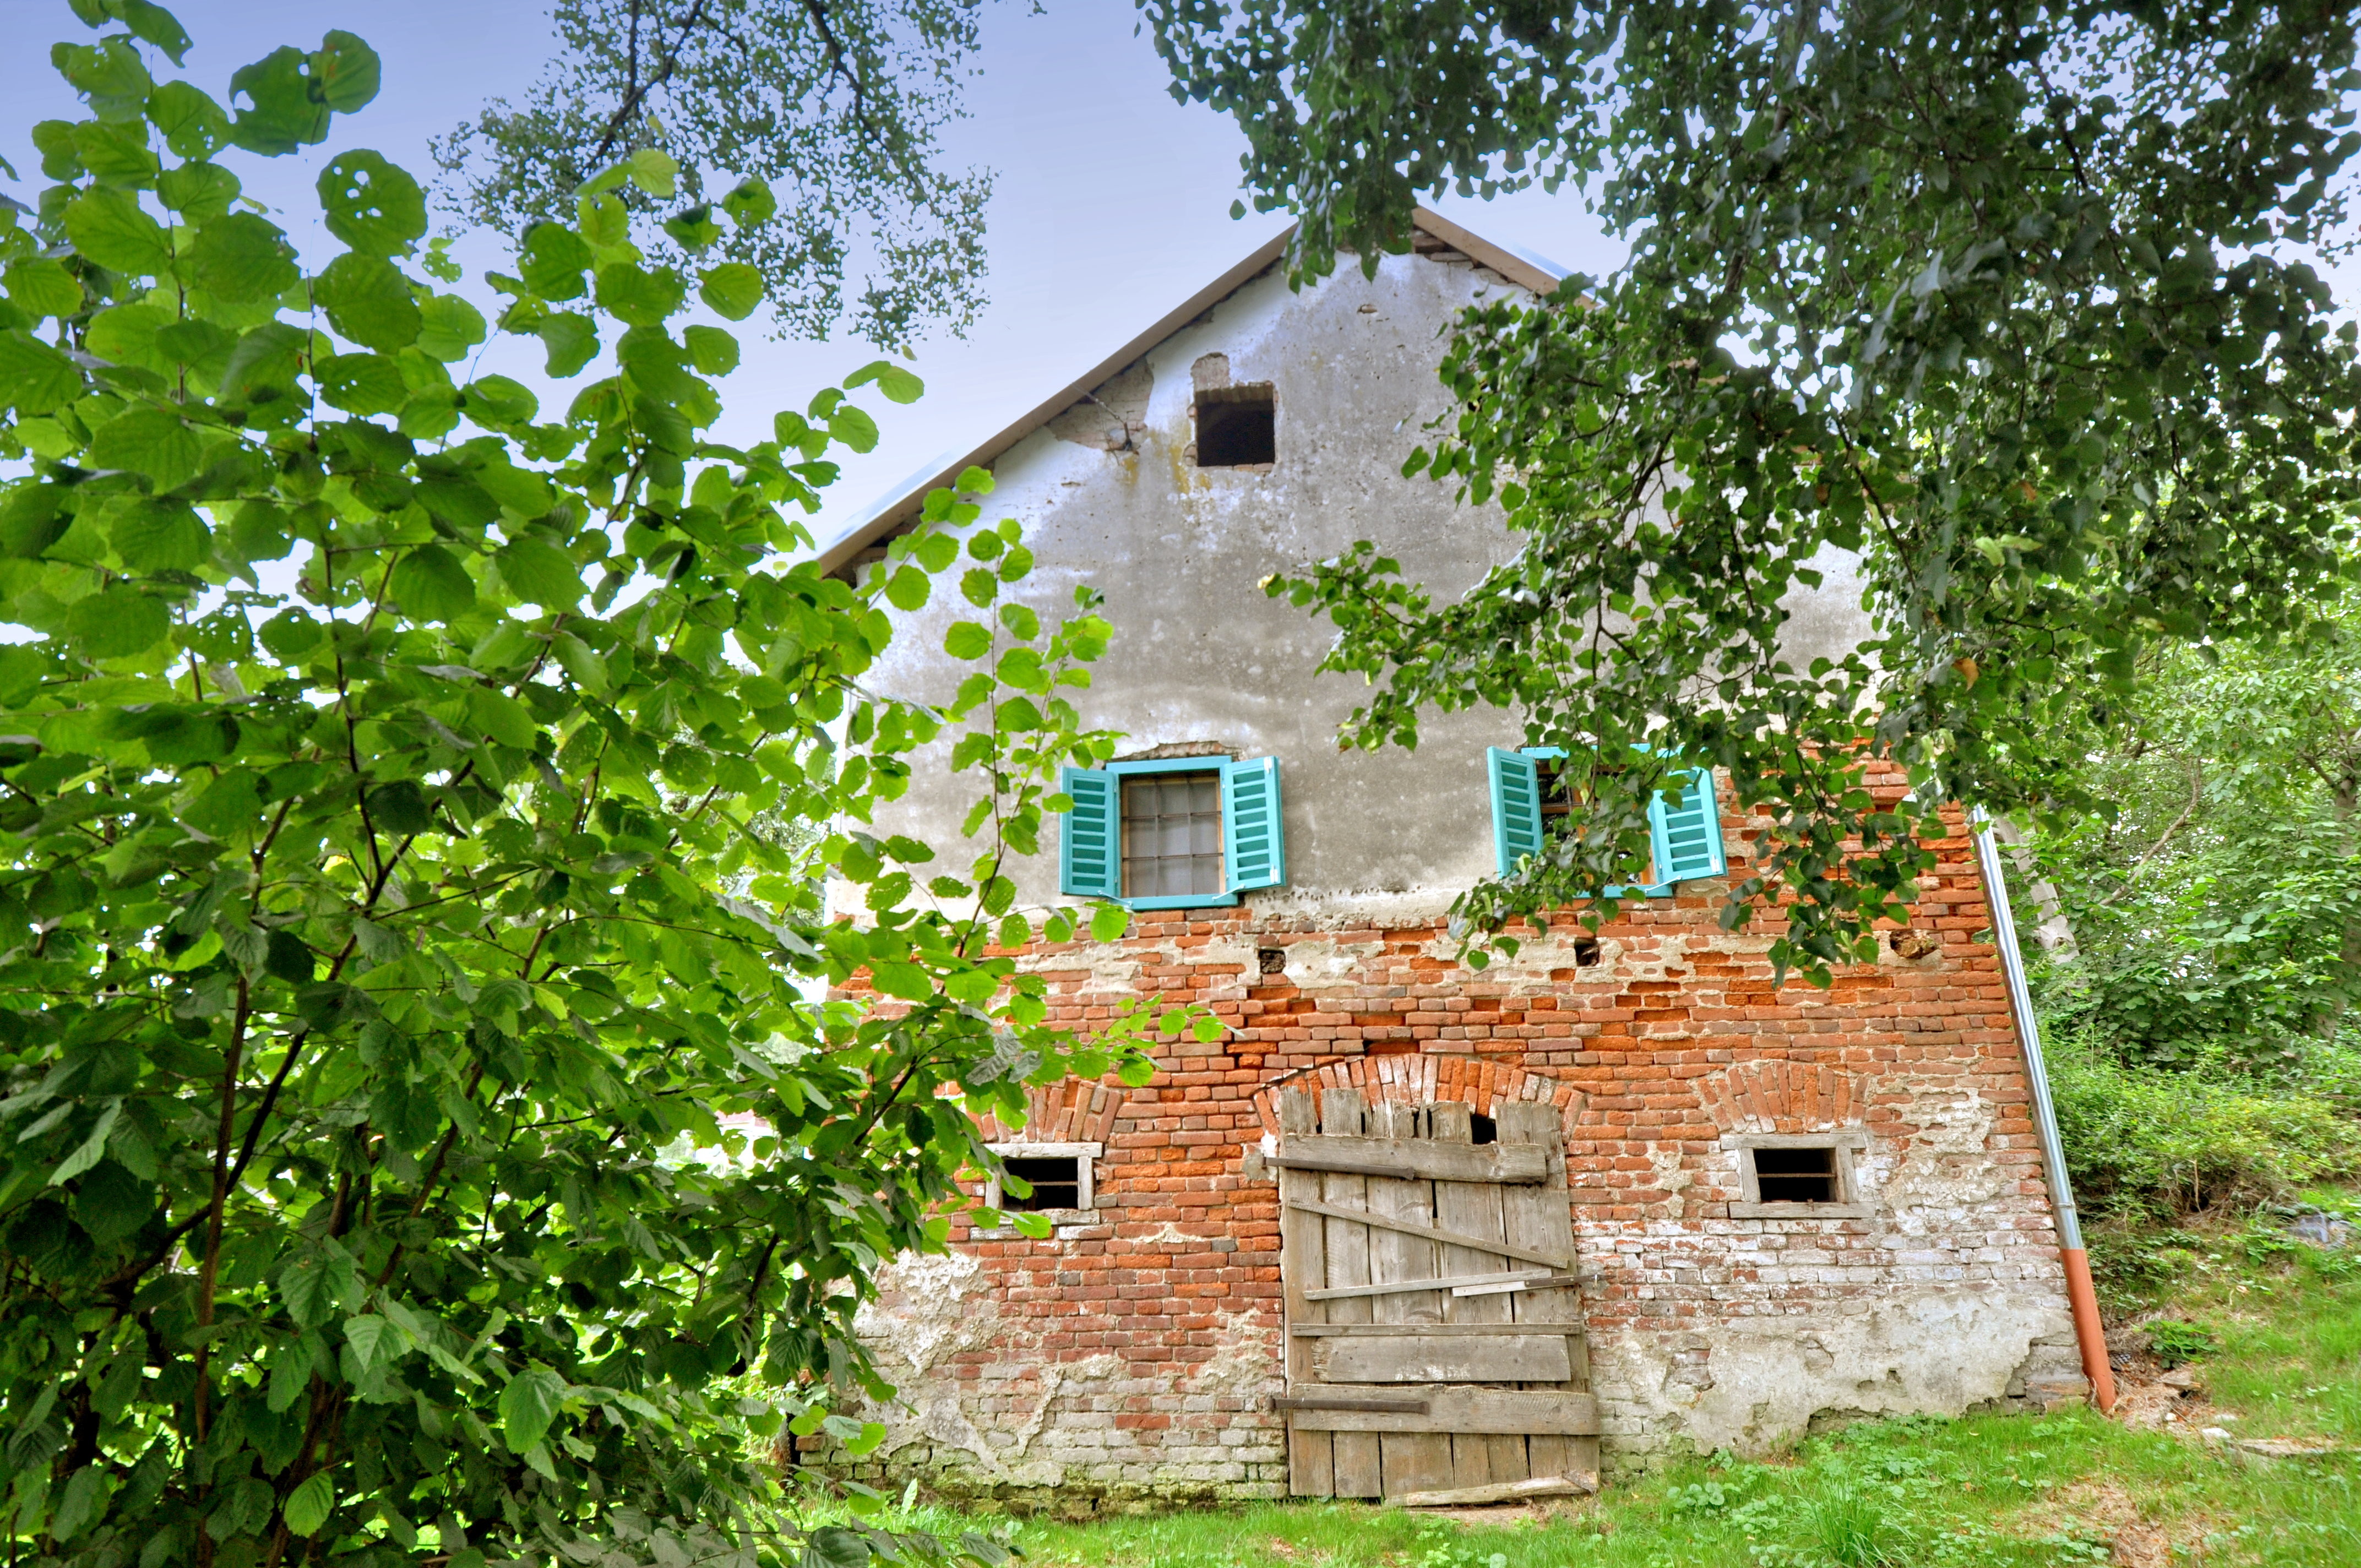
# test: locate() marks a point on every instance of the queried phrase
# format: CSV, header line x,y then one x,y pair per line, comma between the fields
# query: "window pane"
x,y
1172,836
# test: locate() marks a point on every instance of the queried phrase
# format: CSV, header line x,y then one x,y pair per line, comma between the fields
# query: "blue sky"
x,y
1112,202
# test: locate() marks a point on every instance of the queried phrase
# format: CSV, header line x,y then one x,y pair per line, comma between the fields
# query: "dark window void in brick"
x,y
1796,1176
1482,1129
1236,426
1172,835
1057,1183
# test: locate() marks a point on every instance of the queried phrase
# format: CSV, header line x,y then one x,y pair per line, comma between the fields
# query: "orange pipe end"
x,y
2089,1332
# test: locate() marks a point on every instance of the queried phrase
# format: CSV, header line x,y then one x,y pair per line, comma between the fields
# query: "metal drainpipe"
x,y
2089,1332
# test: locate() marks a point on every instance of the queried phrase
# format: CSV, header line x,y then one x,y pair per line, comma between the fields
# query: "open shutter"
x,y
1090,861
1254,838
1687,829
1516,808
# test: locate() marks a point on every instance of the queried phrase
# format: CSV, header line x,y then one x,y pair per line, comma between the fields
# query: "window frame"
x,y
1217,763
1085,1158
1845,1143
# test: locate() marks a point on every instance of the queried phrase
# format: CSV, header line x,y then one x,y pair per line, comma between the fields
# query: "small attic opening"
x,y
1236,426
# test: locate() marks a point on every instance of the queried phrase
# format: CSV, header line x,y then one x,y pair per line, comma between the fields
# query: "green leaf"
x,y
966,640
638,296
652,170
151,441
552,261
155,25
449,327
366,1334
303,1291
837,1547
309,1505
571,339
115,622
83,1502
854,428
369,301
91,1150
540,573
892,380
193,125
730,290
112,230
713,351
371,204
116,155
199,192
160,534
750,203
1108,922
401,807
430,583
528,1405
907,588
502,718
35,378
360,383
347,71
284,112
241,259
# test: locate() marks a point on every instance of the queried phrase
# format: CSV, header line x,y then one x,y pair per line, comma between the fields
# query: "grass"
x,y
1987,1491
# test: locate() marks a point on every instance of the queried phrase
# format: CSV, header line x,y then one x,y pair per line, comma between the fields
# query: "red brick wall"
x,y
1132,1356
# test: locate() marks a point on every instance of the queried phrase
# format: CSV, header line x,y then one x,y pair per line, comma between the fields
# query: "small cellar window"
x,y
1796,1176
1056,1181
1808,1175
1059,1176
1238,427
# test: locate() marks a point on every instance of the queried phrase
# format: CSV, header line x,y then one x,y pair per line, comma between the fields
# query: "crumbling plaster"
x,y
1109,498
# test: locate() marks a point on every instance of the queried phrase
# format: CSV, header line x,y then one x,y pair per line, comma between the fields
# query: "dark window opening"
x,y
1483,1129
1586,951
1236,426
1271,960
1796,1176
1057,1182
1172,835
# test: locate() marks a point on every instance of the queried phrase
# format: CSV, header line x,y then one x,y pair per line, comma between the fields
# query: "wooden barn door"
x,y
1435,1335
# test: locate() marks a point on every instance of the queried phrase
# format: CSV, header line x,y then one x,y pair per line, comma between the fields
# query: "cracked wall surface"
x,y
1131,1355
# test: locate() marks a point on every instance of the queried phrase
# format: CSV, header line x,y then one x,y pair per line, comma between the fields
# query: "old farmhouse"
x,y
1407,1226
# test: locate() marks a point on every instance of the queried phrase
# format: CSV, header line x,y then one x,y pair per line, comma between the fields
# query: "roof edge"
x,y
883,522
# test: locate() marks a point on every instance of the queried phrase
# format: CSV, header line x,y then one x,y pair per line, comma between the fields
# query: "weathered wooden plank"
x,y
1390,1330
1547,1411
1413,1160
1439,1283
1414,1458
1354,1454
1408,1403
1311,1470
1542,1217
1475,1207
1530,1358
1581,1484
1436,1234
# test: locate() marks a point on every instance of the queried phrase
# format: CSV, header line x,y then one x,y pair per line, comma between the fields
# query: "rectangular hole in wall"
x,y
1057,1181
1238,427
1796,1176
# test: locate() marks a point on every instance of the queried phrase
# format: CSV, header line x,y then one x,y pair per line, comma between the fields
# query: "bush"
x,y
2144,1143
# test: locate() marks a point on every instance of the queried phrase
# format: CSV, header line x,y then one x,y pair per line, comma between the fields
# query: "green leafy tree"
x,y
839,105
382,883
2002,305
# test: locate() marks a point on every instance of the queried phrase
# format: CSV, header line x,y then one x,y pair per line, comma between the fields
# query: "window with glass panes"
x,y
1172,835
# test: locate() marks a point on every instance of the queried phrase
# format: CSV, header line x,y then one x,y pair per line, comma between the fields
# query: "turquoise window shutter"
x,y
1090,839
1254,834
1516,808
1686,830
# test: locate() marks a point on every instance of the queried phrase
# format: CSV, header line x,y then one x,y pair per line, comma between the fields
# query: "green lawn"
x,y
2070,1488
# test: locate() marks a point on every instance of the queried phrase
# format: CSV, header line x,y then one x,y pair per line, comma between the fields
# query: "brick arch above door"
x,y
1424,1079
1783,1097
